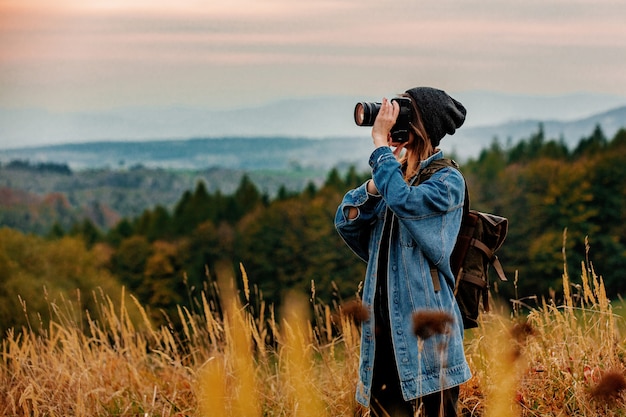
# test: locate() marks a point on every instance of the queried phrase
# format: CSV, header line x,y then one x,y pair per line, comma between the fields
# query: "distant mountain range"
x,y
317,133
267,153
512,132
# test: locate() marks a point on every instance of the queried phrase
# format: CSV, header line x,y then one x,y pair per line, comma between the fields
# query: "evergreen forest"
x,y
563,205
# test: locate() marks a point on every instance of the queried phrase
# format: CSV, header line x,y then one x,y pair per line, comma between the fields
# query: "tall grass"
x,y
559,359
233,356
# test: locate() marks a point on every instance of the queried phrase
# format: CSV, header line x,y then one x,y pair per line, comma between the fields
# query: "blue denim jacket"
x,y
429,218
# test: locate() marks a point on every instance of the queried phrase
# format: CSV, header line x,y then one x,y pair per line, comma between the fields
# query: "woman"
x,y
402,231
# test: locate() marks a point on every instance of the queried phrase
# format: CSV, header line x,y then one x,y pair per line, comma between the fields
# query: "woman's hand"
x,y
385,120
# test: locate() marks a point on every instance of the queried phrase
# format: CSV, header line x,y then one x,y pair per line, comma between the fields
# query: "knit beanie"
x,y
440,113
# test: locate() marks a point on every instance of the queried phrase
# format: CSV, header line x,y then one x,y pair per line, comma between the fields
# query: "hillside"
x,y
250,153
557,201
34,196
570,131
280,152
104,181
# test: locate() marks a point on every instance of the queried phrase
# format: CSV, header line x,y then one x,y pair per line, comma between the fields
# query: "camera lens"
x,y
359,114
365,113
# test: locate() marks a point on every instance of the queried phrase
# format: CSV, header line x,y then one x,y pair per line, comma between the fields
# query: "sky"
x,y
90,55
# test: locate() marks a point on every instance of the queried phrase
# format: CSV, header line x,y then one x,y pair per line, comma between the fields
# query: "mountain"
x,y
43,184
319,117
313,118
281,153
477,138
266,153
489,109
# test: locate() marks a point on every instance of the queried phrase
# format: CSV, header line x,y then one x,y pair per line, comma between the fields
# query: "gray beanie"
x,y
440,113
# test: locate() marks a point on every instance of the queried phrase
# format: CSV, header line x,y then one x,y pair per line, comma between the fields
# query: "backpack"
x,y
480,236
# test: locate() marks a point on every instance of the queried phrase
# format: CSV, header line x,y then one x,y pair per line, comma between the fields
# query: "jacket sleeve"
x,y
356,232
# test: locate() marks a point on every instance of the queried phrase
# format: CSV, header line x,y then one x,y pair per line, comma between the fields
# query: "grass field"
x,y
234,356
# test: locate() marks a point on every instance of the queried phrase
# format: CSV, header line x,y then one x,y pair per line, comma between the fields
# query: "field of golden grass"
x,y
237,357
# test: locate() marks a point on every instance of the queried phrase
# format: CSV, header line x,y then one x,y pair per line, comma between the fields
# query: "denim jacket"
x,y
429,218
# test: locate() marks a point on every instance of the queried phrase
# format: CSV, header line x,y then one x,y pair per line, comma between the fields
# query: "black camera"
x,y
365,113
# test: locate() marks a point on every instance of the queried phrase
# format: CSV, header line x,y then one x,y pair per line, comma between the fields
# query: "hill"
x,y
280,152
107,180
316,117
511,132
35,196
247,153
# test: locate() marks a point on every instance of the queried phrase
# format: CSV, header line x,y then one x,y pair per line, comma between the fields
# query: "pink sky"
x,y
95,54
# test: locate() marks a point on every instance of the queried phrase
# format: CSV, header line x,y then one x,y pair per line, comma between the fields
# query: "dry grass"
x,y
556,360
221,361
230,359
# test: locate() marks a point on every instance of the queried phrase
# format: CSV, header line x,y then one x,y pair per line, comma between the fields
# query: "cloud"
x,y
146,50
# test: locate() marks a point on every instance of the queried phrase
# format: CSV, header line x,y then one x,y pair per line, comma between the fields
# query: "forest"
x,y
565,206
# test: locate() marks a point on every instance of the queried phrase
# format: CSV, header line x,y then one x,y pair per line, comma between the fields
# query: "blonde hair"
x,y
421,147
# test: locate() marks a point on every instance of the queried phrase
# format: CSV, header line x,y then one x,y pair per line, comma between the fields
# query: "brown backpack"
x,y
480,236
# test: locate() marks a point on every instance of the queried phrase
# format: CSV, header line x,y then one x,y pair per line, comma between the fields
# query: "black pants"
x,y
387,397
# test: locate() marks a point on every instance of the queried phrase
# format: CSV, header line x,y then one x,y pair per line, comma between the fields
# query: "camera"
x,y
365,113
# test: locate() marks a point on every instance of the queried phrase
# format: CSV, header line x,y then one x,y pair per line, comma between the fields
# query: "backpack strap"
x,y
423,175
493,258
434,274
